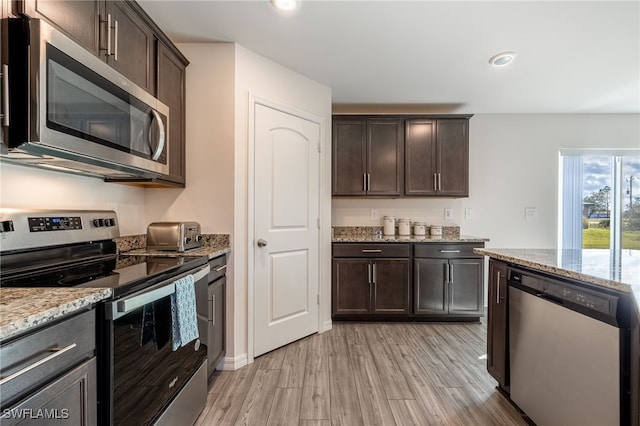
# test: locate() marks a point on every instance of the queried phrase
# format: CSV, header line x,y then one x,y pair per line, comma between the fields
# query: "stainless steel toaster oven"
x,y
173,236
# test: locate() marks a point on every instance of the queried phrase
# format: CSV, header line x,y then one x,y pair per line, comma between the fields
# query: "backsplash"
x,y
135,242
343,231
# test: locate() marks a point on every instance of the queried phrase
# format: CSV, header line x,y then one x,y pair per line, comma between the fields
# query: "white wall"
x,y
220,78
513,165
32,188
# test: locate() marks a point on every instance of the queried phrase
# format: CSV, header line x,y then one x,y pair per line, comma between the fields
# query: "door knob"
x,y
261,243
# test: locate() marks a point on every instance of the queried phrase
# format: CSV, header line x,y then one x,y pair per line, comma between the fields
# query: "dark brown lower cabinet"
x,y
366,285
497,332
377,280
447,280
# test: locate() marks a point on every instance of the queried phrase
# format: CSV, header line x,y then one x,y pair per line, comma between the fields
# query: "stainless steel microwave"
x,y
67,109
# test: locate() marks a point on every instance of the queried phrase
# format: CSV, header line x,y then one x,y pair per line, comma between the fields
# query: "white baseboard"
x,y
235,363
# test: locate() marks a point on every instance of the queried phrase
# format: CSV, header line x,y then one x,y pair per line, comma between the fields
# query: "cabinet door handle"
x,y
368,181
222,268
213,310
451,273
56,353
108,34
439,182
498,289
115,41
449,251
446,272
374,273
369,273
372,251
435,181
364,181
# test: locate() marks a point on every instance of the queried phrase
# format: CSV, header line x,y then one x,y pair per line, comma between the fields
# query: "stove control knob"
x,y
187,240
110,222
98,223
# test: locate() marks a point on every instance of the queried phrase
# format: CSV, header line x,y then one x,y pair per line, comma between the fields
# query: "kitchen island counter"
x,y
592,266
22,309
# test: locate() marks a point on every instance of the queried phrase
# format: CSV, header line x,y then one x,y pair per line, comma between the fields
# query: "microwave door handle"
x,y
161,135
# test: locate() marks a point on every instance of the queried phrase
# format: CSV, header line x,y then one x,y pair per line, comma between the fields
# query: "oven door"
x,y
146,374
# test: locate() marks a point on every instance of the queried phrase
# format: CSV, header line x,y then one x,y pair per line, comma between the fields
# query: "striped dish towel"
x,y
184,320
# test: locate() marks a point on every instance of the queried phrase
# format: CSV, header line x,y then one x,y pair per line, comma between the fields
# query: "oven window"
x,y
83,104
147,374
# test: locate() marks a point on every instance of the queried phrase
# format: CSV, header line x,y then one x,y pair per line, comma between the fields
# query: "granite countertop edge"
x,y
634,290
210,251
22,309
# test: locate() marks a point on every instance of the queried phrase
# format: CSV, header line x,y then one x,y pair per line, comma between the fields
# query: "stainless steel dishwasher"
x,y
566,346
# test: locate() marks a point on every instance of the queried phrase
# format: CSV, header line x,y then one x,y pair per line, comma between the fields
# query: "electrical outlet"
x,y
374,214
530,213
448,214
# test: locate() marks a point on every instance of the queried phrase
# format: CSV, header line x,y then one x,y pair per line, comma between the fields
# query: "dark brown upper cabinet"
x,y
437,157
367,156
111,30
401,156
171,91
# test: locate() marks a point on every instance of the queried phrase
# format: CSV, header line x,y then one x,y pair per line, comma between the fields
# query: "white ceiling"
x,y
573,56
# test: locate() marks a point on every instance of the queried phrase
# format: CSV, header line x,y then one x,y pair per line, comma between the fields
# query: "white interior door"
x,y
286,209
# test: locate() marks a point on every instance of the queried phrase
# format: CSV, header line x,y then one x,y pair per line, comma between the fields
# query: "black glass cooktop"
x,y
123,274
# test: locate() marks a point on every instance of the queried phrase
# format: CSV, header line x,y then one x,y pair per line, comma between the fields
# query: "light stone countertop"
x,y
593,266
407,239
209,251
22,309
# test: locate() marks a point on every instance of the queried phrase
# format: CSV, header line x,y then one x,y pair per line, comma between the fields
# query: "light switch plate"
x,y
468,214
448,214
374,214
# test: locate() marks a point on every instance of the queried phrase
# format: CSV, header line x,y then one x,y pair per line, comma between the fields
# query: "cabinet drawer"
x,y
218,267
371,250
38,357
446,250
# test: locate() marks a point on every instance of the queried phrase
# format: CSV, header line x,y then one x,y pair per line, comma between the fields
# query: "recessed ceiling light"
x,y
286,5
502,59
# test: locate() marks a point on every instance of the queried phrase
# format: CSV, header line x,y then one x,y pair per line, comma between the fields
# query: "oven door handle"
x,y
122,307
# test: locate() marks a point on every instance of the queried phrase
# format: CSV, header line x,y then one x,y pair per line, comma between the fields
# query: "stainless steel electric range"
x,y
141,379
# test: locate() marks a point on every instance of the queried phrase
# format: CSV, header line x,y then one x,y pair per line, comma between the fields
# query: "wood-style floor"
x,y
366,374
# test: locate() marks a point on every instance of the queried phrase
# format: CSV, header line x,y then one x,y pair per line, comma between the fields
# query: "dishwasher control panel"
x,y
597,304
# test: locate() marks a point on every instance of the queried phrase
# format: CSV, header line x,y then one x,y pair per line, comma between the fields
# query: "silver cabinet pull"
x,y
435,181
369,273
109,34
161,134
439,182
222,268
213,310
449,251
56,353
364,181
5,95
371,251
498,289
451,273
374,273
368,181
446,272
115,41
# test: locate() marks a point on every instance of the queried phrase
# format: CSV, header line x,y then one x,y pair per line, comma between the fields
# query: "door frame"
x,y
255,100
